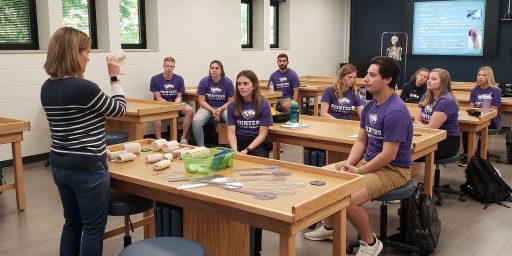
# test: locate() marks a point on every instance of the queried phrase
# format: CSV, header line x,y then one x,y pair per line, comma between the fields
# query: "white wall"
x,y
194,32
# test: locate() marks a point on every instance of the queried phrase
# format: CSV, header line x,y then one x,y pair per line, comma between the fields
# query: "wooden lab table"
x,y
139,111
337,135
11,131
463,99
220,220
271,96
462,86
472,125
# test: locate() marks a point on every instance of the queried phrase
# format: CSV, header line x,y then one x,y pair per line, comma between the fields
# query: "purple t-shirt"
x,y
248,124
476,97
341,108
168,89
447,105
285,82
388,122
217,94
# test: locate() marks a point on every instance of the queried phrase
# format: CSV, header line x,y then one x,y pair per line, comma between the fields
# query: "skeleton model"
x,y
394,52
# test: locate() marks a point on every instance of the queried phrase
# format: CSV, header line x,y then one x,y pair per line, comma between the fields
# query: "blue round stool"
x,y
164,246
112,138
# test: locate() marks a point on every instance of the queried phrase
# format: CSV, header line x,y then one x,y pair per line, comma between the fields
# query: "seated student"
x,y
486,85
168,86
338,100
381,153
287,81
416,87
438,109
214,94
249,117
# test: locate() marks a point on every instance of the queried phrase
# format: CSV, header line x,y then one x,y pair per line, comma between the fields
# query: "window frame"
x,y
142,29
275,4
93,29
34,44
249,24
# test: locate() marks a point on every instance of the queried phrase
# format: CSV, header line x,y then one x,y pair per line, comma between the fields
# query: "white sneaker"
x,y
367,250
183,141
319,234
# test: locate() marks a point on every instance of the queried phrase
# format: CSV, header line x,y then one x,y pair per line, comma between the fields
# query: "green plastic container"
x,y
211,163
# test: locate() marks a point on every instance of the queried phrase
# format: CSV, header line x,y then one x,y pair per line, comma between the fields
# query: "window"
x,y
81,14
133,24
274,24
246,23
18,25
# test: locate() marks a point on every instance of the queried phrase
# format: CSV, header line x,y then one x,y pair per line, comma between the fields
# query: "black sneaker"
x,y
463,162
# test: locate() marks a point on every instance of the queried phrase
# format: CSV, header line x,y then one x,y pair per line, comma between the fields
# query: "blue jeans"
x,y
200,119
85,198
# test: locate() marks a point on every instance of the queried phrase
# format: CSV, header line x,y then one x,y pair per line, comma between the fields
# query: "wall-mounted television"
x,y
453,27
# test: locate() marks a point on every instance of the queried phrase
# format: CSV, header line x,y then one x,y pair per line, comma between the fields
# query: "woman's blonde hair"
x,y
255,97
63,50
445,88
490,75
340,87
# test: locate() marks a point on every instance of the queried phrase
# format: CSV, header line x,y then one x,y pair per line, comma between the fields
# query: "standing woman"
x,y
214,94
413,91
76,109
486,86
338,100
438,109
249,117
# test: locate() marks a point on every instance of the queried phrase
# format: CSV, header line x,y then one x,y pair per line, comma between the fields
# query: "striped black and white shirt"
x,y
76,110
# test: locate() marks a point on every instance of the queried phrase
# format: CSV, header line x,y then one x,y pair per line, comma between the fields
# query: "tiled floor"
x,y
467,229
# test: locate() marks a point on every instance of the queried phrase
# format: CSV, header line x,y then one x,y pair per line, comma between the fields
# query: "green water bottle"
x,y
294,112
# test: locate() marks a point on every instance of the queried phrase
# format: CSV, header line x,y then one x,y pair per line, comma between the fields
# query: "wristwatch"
x,y
113,79
248,149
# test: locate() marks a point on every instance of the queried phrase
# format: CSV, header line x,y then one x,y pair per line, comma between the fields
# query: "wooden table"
x,y
472,125
220,219
463,86
338,135
11,131
272,96
139,111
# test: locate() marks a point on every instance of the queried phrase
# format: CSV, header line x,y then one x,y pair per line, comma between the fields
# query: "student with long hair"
x,y
339,99
438,109
76,109
416,87
486,86
249,117
214,94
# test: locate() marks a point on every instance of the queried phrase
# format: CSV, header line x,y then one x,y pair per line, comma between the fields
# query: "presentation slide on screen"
x,y
448,28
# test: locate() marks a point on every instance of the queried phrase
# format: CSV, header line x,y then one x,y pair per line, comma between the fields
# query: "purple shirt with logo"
x,y
285,82
447,105
248,124
476,97
341,108
217,94
388,122
168,89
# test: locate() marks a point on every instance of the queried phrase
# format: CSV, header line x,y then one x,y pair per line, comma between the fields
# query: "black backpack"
x,y
419,224
484,183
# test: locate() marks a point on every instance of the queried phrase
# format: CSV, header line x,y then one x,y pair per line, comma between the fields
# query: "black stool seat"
x,y
115,137
164,246
122,204
438,189
399,193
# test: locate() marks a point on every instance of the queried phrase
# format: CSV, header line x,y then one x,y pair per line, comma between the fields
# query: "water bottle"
x,y
271,86
294,112
362,92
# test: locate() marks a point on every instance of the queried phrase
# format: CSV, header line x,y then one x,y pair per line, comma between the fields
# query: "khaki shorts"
x,y
384,180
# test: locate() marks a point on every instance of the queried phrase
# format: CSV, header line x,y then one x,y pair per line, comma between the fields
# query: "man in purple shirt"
x,y
285,80
169,87
381,153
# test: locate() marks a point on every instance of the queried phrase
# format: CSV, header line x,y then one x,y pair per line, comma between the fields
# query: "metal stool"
x,y
124,204
165,246
112,138
398,194
438,189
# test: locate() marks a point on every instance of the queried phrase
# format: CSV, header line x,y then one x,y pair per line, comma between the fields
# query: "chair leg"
x,y
127,238
383,221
